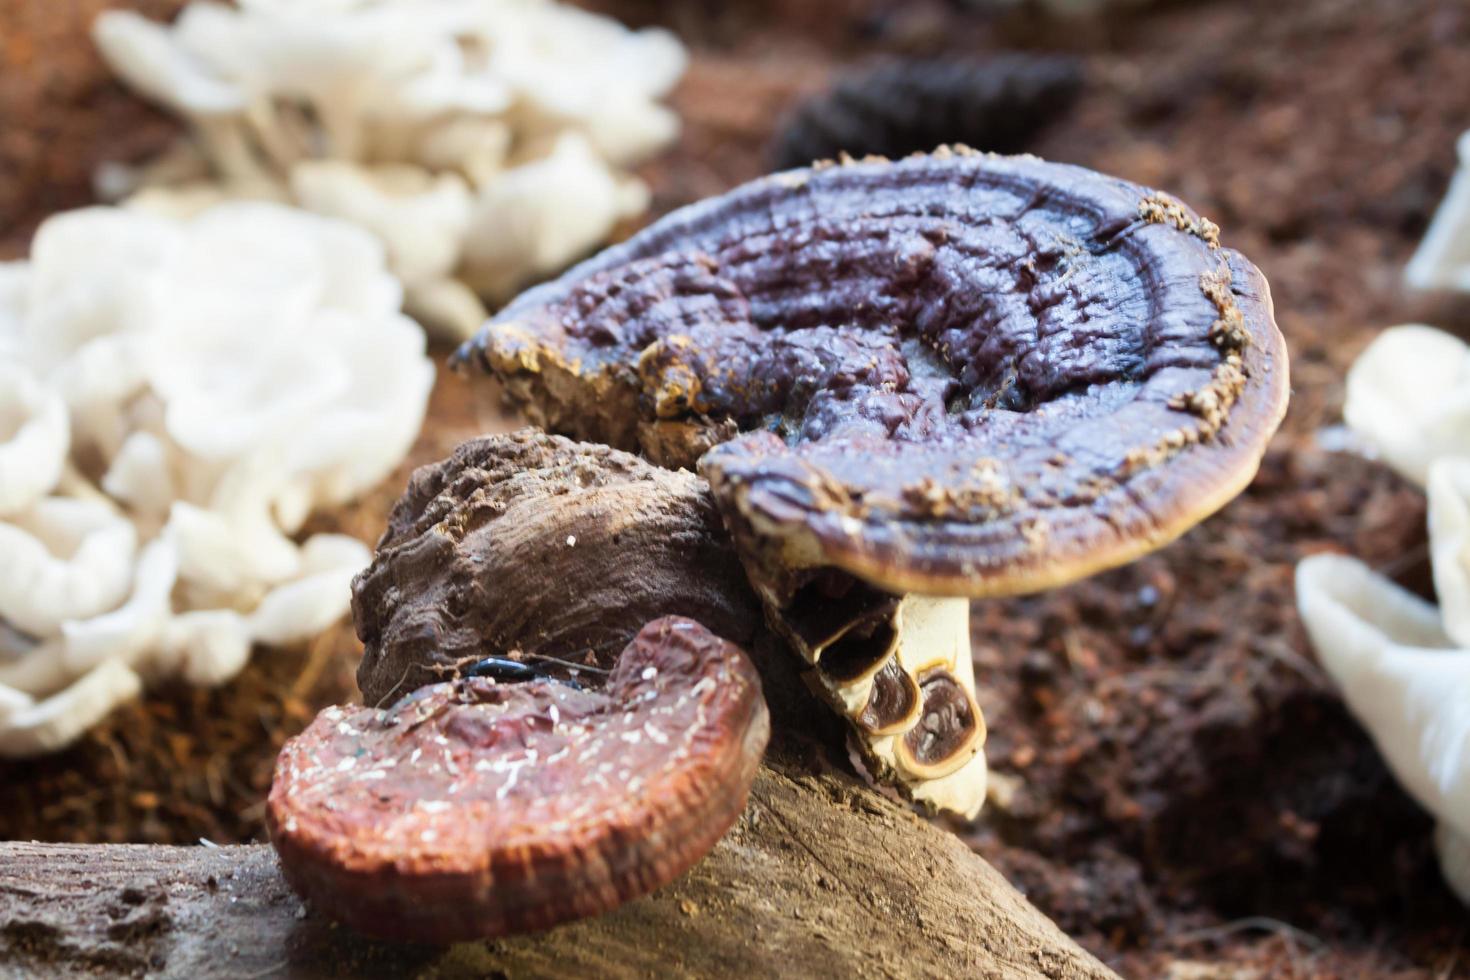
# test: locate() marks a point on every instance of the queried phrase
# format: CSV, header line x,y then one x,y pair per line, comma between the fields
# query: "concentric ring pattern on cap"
x,y
955,374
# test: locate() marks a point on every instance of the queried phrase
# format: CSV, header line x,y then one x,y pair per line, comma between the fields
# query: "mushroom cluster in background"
x,y
486,143
176,398
1402,664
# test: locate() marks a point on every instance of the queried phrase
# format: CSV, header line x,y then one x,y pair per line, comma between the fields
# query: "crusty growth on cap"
x,y
953,374
532,543
472,809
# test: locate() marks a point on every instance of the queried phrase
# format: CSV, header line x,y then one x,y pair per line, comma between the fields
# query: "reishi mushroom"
x,y
911,384
474,808
557,742
907,384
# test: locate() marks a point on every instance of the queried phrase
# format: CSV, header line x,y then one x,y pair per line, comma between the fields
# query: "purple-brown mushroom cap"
x,y
953,374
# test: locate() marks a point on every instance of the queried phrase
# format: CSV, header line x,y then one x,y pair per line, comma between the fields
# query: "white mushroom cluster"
x,y
176,398
486,143
1402,664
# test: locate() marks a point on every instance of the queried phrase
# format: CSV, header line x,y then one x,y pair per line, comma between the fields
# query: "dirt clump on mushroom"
x,y
534,542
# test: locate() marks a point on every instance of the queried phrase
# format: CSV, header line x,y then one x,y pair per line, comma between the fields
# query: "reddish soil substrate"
x,y
1187,794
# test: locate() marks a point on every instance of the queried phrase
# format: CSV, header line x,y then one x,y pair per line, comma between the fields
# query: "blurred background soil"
x,y
1177,784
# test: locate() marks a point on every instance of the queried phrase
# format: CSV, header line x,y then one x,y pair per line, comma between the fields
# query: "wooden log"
x,y
822,876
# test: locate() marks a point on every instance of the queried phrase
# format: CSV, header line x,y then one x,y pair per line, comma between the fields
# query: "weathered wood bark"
x,y
821,877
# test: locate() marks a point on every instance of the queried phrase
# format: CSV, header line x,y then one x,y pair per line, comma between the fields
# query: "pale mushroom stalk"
x,y
898,668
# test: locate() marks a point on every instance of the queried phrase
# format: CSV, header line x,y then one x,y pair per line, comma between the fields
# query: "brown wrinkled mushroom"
x,y
529,543
473,808
913,383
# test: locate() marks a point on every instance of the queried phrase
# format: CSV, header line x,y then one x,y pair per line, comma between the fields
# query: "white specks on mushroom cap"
x,y
510,815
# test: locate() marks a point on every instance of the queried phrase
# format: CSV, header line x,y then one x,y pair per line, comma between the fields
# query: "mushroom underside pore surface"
x,y
954,375
475,808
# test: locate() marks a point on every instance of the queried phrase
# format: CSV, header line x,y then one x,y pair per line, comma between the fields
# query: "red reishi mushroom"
x,y
473,808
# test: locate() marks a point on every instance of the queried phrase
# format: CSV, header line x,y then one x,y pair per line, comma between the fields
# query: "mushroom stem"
x,y
899,670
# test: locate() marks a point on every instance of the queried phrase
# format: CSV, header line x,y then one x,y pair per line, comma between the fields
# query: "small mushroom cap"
x,y
955,374
473,809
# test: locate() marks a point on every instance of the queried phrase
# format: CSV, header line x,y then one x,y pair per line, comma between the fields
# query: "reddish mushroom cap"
x,y
472,809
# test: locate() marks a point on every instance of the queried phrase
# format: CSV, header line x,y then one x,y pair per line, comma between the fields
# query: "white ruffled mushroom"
x,y
14,285
35,436
141,477
1408,396
37,671
89,270
475,147
1406,679
579,70
419,217
298,610
380,112
543,215
206,647
29,727
1449,543
225,376
127,633
1442,260
355,442
149,58
65,559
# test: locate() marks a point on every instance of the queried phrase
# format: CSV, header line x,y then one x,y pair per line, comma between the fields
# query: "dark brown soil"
x,y
1190,798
